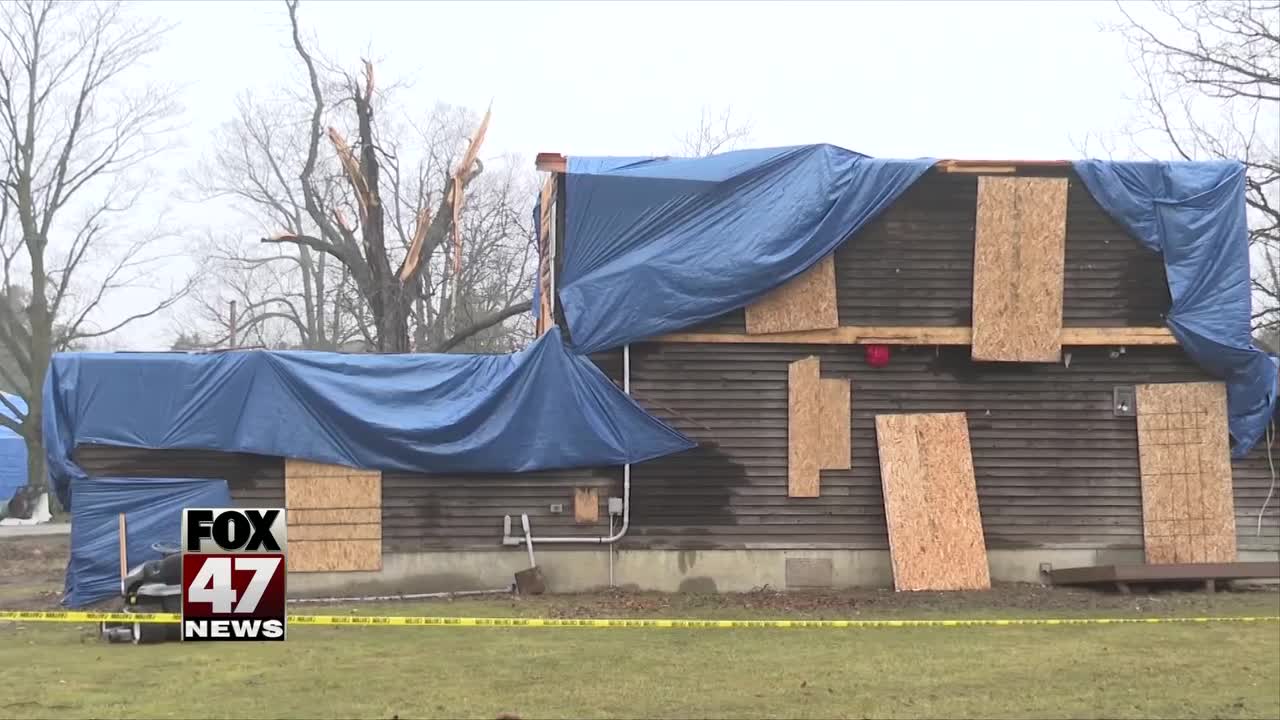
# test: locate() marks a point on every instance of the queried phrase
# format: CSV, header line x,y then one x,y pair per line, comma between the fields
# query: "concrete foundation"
x,y
676,570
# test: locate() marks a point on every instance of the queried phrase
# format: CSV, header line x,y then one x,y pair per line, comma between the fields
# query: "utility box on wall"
x,y
1124,400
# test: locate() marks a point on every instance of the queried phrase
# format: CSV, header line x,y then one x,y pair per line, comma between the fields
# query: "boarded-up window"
x,y
836,434
818,432
931,503
804,427
586,506
1188,515
334,517
807,302
1019,252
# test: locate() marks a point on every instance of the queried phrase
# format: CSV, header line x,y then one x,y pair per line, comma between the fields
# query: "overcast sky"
x,y
947,79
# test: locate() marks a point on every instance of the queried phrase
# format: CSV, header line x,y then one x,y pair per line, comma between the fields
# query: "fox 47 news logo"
x,y
233,574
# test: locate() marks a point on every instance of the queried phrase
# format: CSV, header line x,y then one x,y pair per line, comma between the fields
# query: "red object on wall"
x,y
877,355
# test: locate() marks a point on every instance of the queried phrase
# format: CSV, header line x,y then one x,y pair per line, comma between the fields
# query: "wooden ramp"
x,y
1124,577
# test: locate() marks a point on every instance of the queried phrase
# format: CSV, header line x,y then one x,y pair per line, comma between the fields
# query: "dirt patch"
x,y
31,572
878,602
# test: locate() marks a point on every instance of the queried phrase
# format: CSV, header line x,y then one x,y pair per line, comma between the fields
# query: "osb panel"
x,y
306,468
1019,254
334,555
1188,514
346,516
359,489
1161,550
1220,547
931,503
807,302
586,505
836,434
804,428
362,531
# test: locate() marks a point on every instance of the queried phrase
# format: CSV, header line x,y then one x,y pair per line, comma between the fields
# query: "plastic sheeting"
x,y
538,409
152,510
658,245
1194,214
13,452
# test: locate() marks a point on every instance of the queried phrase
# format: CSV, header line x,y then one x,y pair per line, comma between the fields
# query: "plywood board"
x,y
1188,513
334,555
836,434
362,531
306,468
806,302
804,428
360,489
907,335
931,503
586,505
1019,254
334,516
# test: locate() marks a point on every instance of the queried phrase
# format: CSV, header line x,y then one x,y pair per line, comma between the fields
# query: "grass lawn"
x,y
1122,671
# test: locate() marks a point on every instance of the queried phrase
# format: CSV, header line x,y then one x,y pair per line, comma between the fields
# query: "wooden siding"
x,y
913,266
254,480
422,512
1054,466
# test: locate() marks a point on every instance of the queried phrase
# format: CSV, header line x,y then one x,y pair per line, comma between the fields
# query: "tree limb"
x,y
485,322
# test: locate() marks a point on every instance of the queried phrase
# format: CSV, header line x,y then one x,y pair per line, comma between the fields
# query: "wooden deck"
x,y
1124,577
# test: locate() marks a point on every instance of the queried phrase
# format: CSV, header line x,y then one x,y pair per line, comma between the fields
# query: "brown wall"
x,y
913,266
254,480
1054,465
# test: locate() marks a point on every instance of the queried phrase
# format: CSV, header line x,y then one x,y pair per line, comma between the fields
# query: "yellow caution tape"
x,y
393,620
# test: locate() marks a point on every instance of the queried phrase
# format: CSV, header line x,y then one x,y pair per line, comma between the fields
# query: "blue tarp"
x,y
1194,214
652,245
661,244
538,409
657,245
13,452
153,513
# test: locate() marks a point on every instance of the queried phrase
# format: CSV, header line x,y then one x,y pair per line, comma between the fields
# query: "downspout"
x,y
509,539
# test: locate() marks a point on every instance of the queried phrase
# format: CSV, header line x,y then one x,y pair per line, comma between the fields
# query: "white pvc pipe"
x,y
626,488
410,596
611,583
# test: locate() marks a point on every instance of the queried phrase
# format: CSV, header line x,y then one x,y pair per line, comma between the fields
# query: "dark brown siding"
x,y
913,266
419,511
1054,465
422,512
254,480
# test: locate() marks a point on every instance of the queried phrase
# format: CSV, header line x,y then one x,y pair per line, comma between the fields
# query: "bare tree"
x,y
1210,73
279,290
413,225
716,132
73,132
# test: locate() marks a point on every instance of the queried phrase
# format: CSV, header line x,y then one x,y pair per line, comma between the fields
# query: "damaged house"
x,y
797,367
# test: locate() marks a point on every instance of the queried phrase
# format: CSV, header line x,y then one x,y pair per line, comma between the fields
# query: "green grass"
x,y
1126,671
